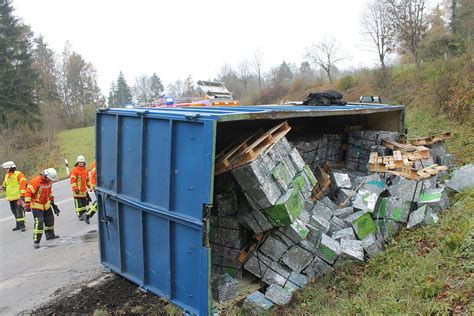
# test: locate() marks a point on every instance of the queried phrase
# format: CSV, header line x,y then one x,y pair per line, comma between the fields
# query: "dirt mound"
x,y
114,295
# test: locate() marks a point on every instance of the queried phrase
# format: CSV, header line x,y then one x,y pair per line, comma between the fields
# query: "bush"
x,y
346,83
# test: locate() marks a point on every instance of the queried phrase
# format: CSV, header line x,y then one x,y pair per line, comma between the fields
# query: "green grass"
x,y
74,142
422,121
425,271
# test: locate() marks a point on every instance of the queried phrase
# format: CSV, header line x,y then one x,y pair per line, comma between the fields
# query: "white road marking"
x,y
58,203
6,219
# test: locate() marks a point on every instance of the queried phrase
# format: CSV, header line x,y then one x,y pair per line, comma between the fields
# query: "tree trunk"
x,y
329,75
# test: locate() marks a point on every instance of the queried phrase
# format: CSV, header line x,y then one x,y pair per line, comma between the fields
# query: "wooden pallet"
x,y
381,163
224,158
429,140
250,149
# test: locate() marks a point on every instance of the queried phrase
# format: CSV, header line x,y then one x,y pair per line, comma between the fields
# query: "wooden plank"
x,y
250,247
373,158
397,146
324,183
423,151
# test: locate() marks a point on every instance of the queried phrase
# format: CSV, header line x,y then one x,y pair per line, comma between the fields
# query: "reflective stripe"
x,y
20,219
48,228
32,189
39,206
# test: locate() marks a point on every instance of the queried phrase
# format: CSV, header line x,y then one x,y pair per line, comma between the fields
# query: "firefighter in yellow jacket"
x,y
14,185
80,182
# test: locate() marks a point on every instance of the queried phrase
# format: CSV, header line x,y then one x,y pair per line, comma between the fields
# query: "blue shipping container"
x,y
155,186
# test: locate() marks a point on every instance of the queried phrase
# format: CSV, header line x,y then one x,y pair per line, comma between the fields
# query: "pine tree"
x,y
123,95
18,102
156,86
111,102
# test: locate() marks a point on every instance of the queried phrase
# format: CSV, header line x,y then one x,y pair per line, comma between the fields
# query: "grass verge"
x,y
72,143
424,271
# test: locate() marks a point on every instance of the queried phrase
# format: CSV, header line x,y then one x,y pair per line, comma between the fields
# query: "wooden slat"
x,y
397,146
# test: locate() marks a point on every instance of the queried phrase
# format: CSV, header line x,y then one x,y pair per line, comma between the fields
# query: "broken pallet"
x,y
422,174
380,163
429,140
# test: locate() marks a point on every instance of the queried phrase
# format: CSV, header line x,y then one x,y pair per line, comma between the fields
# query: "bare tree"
x,y
244,73
377,23
409,17
325,54
224,71
141,89
258,64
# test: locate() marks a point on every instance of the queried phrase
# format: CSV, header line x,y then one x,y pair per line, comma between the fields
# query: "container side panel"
x,y
108,152
109,236
132,252
187,256
157,253
130,157
188,169
157,163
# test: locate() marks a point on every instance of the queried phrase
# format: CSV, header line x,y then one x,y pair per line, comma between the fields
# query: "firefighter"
x,y
14,185
39,200
80,183
93,209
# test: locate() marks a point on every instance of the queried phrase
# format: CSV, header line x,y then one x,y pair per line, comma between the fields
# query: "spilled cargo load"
x,y
294,209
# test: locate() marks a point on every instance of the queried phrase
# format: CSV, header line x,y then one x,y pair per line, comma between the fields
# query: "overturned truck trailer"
x,y
156,171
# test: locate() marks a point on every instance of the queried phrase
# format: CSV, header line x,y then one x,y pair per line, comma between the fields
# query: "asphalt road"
x,y
28,276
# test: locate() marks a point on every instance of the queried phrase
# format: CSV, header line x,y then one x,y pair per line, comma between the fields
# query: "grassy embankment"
x,y
74,142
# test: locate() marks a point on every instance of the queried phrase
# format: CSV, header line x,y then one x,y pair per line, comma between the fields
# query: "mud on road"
x,y
111,294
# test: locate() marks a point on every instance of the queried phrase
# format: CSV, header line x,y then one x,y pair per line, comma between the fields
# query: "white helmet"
x,y
51,174
8,165
80,158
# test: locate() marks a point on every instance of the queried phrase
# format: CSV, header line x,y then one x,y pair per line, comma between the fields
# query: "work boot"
x,y
23,229
52,237
86,219
36,245
82,216
16,228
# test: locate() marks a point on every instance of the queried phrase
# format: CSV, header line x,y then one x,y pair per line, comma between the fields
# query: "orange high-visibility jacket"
x,y
93,174
15,185
39,193
80,180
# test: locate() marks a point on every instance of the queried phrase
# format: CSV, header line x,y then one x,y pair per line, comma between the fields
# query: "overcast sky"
x,y
177,38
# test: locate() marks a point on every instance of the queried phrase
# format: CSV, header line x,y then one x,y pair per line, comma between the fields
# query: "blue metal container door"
x,y
155,177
